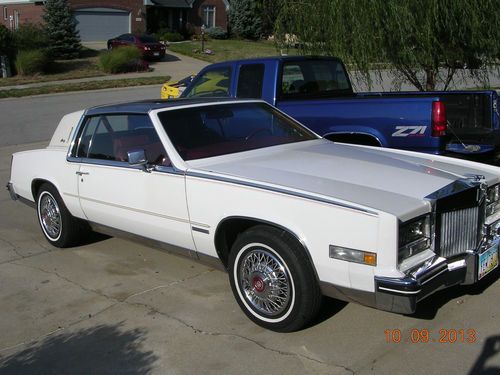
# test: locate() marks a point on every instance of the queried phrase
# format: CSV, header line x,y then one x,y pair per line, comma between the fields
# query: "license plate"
x,y
156,53
488,261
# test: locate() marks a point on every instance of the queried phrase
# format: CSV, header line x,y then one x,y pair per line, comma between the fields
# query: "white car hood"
x,y
393,182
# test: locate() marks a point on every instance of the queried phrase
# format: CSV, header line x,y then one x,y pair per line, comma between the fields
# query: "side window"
x,y
292,79
250,81
214,83
111,137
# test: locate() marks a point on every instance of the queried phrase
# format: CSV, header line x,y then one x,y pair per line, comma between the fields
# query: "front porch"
x,y
167,14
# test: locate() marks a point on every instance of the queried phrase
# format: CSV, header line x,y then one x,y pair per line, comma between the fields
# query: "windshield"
x,y
148,39
203,132
314,78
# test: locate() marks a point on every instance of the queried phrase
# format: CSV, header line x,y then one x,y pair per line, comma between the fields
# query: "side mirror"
x,y
137,158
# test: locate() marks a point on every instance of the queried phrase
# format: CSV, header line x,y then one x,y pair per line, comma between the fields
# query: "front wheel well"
x,y
354,138
230,228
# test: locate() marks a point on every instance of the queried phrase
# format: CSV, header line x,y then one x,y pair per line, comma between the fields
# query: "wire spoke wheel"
x,y
265,282
50,216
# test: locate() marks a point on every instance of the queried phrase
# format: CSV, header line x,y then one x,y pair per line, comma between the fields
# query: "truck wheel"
x,y
59,227
273,280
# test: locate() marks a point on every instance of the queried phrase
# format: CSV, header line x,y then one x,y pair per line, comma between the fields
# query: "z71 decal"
x,y
409,131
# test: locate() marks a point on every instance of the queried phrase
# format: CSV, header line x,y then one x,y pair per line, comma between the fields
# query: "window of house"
x,y
16,19
250,81
5,15
209,16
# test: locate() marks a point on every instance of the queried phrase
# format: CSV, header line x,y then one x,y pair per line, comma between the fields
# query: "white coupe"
x,y
289,215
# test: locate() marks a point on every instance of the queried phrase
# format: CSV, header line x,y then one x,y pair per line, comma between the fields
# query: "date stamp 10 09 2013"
x,y
424,336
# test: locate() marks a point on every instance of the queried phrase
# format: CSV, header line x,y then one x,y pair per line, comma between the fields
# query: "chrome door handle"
x,y
81,173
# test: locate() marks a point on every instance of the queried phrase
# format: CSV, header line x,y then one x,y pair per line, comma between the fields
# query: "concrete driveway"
x,y
116,307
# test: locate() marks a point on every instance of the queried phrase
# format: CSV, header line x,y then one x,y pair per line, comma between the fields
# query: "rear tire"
x,y
58,226
273,279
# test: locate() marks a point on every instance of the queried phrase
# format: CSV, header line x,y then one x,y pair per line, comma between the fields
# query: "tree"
x,y
64,41
424,42
268,11
245,19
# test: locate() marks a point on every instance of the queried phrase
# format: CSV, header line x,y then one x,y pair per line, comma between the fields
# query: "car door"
x,y
149,204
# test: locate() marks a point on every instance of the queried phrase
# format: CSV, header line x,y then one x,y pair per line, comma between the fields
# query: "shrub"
x,y
216,33
122,60
245,19
169,36
30,37
7,45
32,62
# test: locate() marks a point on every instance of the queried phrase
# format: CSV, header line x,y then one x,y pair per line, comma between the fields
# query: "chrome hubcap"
x,y
265,282
50,216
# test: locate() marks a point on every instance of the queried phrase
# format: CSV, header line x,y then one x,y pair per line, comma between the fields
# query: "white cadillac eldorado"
x,y
289,215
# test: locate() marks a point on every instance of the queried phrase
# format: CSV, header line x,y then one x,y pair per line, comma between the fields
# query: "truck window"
x,y
250,81
212,83
321,78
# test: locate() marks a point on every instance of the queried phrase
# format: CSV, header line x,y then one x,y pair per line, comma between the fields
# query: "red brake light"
x,y
438,119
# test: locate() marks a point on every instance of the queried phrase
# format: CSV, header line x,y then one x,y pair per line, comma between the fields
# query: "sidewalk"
x,y
174,65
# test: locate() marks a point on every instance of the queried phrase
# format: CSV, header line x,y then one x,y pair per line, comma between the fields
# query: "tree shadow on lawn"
x,y
104,349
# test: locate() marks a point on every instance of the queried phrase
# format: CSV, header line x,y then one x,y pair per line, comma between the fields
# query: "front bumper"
x,y
402,294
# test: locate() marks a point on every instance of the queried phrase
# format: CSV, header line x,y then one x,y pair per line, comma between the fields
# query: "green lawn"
x,y
228,49
60,70
93,85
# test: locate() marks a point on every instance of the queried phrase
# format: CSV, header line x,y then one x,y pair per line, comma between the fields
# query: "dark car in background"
x,y
147,44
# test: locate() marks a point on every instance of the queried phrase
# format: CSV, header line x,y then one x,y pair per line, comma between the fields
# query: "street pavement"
x,y
115,307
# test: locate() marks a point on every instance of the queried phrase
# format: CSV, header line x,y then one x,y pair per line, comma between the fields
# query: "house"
x,y
99,20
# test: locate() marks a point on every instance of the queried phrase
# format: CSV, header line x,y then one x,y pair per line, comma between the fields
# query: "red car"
x,y
147,44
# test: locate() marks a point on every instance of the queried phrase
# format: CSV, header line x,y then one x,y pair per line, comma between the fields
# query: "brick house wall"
x,y
28,13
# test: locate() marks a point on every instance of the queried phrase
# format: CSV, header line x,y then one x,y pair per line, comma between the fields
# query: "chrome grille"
x,y
459,231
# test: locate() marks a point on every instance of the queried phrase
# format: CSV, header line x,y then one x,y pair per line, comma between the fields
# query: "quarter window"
x,y
111,137
212,83
209,15
250,81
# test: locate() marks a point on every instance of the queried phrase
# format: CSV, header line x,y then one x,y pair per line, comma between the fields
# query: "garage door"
x,y
98,24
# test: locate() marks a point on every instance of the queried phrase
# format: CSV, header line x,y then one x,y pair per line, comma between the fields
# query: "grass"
x,y
229,49
93,85
61,70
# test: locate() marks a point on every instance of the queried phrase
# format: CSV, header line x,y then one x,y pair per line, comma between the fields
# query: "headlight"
x,y
492,200
414,237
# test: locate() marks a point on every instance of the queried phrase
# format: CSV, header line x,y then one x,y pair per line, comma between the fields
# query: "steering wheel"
x,y
257,131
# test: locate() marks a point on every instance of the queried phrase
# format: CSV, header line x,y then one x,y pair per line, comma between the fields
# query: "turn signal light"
x,y
438,119
353,255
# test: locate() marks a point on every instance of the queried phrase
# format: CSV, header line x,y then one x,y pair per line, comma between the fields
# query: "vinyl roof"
x,y
146,106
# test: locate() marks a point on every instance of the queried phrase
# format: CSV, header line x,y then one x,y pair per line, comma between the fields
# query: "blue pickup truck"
x,y
317,92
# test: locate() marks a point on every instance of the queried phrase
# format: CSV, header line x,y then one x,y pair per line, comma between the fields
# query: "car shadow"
x,y
93,237
104,349
329,308
428,308
169,58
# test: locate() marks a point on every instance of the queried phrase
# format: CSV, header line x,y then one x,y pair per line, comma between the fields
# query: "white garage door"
x,y
99,24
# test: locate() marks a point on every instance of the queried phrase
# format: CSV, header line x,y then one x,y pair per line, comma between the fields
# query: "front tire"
x,y
273,280
59,227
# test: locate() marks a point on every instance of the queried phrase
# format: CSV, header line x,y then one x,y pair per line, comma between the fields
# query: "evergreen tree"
x,y
245,19
64,41
424,42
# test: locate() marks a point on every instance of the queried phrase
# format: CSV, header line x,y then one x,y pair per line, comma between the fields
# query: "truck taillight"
x,y
438,119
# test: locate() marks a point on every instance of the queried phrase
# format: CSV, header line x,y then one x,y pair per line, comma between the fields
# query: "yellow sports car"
x,y
175,89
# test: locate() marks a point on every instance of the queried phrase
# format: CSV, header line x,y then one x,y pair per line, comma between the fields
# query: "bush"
x,y
245,19
32,62
216,33
168,36
30,37
7,45
122,60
